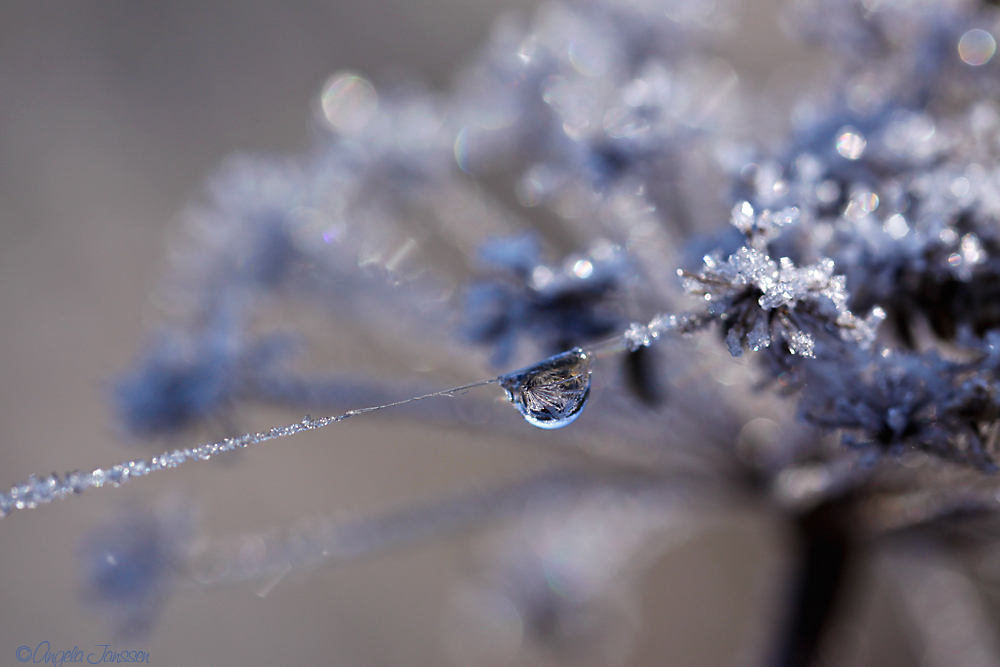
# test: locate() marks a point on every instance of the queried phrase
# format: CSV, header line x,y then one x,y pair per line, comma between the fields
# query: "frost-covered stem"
x,y
38,491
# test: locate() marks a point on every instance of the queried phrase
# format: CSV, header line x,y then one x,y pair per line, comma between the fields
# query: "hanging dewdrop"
x,y
553,392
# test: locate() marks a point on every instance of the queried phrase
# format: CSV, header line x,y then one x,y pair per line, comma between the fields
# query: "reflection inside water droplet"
x,y
552,393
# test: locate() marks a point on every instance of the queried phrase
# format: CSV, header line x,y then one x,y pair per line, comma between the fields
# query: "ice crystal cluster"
x,y
749,292
594,196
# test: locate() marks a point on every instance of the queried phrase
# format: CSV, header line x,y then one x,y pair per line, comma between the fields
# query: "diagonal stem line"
x,y
39,491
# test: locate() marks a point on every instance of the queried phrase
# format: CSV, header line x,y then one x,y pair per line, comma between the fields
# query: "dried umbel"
x,y
858,264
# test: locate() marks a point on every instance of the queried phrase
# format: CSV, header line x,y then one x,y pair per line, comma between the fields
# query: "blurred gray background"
x,y
112,114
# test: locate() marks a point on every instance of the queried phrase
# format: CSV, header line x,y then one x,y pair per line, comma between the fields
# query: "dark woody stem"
x,y
820,581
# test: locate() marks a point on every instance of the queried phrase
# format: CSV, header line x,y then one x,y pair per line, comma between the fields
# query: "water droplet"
x,y
896,226
828,192
976,47
349,102
541,277
552,393
583,269
850,142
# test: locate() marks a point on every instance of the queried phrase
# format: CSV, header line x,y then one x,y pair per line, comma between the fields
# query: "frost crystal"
x,y
638,335
755,297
